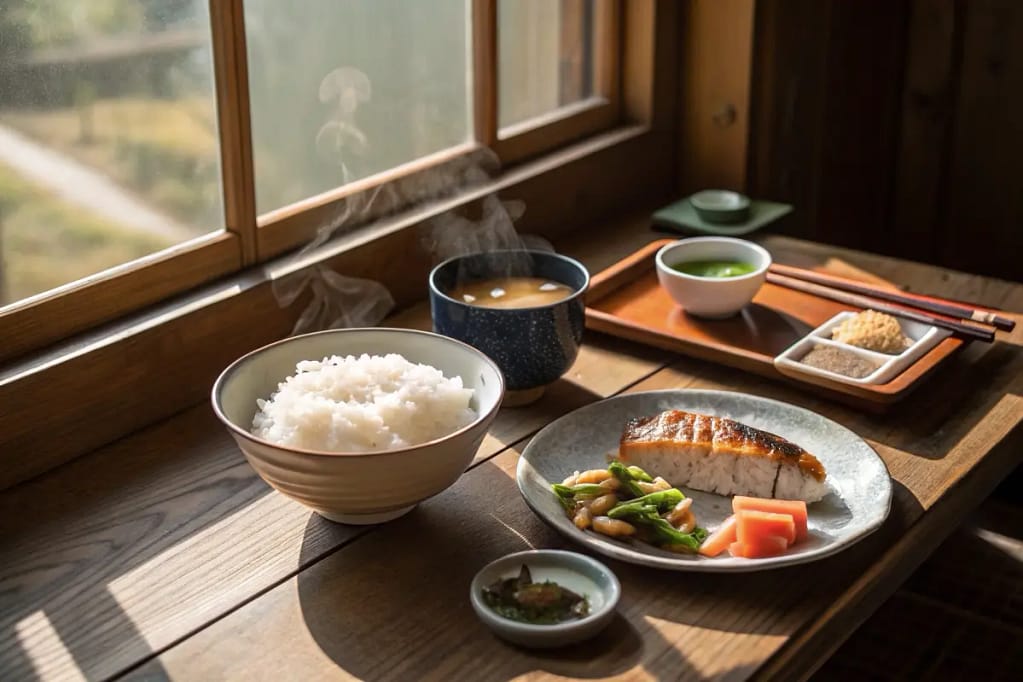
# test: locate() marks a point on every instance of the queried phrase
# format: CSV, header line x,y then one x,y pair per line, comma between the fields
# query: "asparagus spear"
x,y
628,477
566,493
580,489
646,511
660,501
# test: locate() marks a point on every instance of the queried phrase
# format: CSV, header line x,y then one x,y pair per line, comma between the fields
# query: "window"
x,y
108,137
545,57
346,90
148,146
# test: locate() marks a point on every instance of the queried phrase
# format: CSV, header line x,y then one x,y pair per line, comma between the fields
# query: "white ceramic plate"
x,y
860,497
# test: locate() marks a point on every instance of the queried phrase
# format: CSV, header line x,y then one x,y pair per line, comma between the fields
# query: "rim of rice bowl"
x,y
248,435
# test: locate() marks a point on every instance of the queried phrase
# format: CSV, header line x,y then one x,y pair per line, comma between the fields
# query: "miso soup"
x,y
511,292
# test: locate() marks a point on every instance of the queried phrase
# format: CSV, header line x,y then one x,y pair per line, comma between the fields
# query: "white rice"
x,y
364,404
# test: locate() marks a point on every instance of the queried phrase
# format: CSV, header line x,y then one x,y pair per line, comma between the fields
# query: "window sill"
x,y
136,371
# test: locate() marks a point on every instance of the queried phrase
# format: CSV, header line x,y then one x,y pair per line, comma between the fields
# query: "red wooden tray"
x,y
626,300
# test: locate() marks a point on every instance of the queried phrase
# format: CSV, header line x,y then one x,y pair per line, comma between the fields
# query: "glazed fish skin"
x,y
721,456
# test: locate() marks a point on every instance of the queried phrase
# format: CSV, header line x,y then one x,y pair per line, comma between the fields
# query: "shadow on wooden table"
x,y
932,420
928,423
355,606
77,541
757,328
955,618
354,602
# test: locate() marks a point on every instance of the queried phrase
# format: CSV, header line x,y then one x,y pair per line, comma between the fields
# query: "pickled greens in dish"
x,y
523,600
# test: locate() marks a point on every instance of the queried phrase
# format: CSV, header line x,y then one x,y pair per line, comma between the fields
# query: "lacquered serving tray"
x,y
625,300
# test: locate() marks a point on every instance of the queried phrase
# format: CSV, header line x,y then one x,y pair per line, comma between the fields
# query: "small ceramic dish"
x,y
924,338
712,297
576,572
720,206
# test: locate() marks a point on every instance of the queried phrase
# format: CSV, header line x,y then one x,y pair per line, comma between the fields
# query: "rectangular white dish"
x,y
924,338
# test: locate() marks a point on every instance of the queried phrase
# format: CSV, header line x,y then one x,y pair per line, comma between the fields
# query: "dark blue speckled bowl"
x,y
532,346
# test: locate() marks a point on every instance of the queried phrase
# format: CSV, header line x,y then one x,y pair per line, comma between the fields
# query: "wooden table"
x,y
163,556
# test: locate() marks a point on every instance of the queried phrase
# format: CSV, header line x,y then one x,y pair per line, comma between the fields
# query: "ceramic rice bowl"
x,y
358,488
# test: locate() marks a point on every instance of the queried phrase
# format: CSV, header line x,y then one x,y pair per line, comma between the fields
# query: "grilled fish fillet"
x,y
721,456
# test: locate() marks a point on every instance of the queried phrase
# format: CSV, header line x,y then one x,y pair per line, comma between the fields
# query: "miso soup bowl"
x,y
712,297
532,346
358,487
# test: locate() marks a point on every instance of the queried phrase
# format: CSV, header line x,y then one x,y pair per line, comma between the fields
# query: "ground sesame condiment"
x,y
872,330
839,361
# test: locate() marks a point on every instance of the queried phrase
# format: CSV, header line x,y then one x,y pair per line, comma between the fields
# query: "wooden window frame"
x,y
286,228
249,238
142,368
47,318
534,136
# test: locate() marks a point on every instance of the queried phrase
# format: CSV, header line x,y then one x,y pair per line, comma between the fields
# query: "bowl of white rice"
x,y
360,425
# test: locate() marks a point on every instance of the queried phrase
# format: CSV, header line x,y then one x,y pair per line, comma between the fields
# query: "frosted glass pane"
x,y
108,136
344,89
544,56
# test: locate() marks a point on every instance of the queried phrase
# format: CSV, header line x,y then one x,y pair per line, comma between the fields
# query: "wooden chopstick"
x,y
959,328
955,309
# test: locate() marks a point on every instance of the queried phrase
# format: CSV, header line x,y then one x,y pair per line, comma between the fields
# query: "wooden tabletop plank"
x,y
347,617
124,551
128,550
916,277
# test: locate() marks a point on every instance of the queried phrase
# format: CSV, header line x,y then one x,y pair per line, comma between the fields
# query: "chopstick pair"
x,y
925,309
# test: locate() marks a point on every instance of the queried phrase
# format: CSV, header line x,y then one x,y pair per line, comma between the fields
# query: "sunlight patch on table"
x,y
175,585
44,649
746,650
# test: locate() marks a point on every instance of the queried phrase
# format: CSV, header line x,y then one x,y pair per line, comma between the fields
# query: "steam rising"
x,y
339,301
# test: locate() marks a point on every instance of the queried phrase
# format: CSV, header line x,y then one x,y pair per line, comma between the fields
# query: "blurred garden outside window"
x,y
135,165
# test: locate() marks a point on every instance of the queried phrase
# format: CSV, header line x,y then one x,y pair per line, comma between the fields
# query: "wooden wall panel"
x,y
928,114
787,106
984,223
863,84
827,83
715,41
894,126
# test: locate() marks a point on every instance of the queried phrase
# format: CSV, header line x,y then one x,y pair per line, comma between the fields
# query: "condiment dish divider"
x,y
924,339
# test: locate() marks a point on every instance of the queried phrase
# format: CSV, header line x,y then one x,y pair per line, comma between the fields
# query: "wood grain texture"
x,y
133,547
200,335
627,41
649,72
345,618
933,54
607,57
893,126
53,316
908,275
717,48
787,99
825,115
234,123
553,129
985,196
484,70
864,63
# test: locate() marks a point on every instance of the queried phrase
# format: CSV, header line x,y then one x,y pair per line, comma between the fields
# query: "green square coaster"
x,y
681,217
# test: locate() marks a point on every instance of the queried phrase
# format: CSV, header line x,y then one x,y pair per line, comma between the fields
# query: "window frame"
x,y
249,238
199,333
573,121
